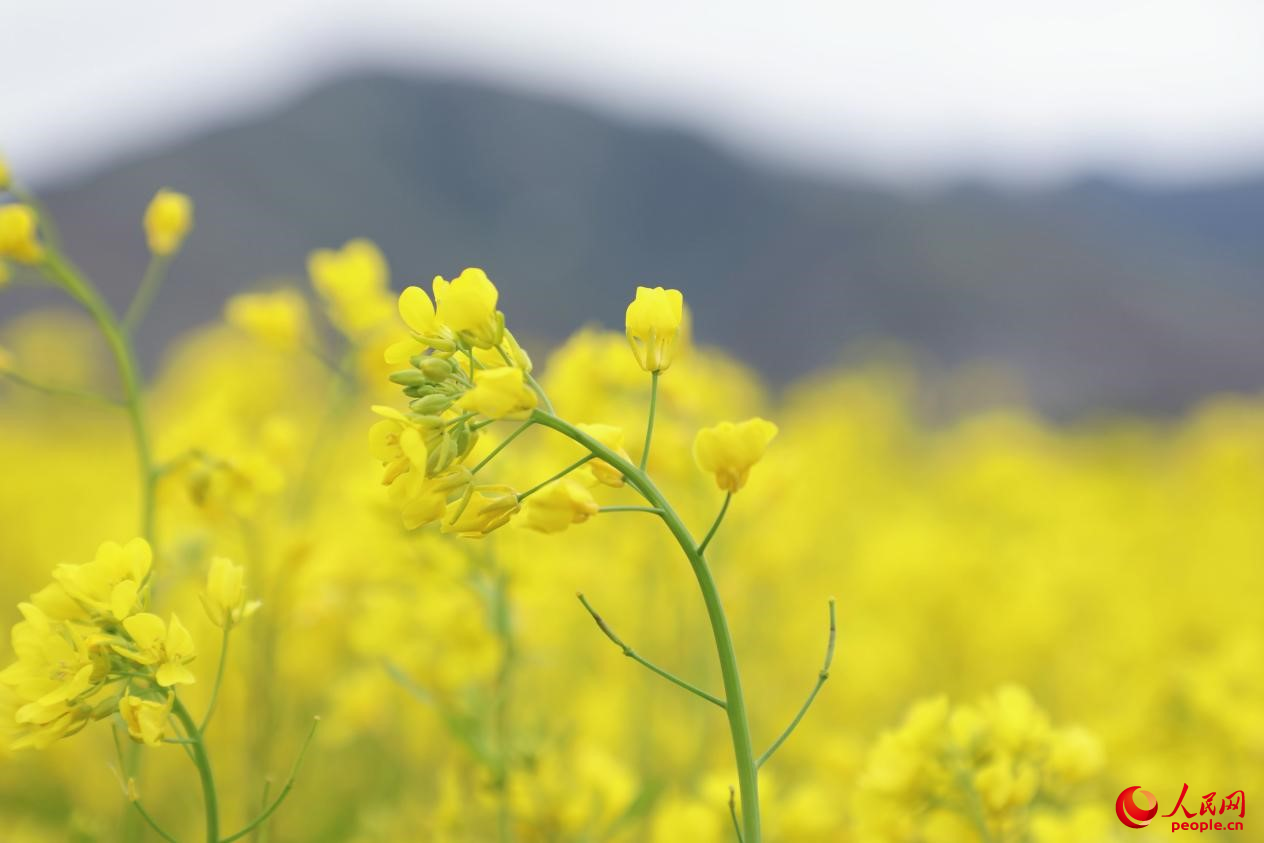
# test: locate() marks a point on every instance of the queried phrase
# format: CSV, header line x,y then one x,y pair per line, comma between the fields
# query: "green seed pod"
x,y
408,377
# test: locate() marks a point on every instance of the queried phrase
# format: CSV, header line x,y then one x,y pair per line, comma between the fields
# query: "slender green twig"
x,y
816,689
70,279
737,825
210,799
517,431
60,391
636,657
155,274
649,423
263,802
702,548
132,796
219,676
739,721
285,791
538,486
654,510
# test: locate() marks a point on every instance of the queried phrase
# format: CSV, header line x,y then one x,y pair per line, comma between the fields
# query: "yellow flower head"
x,y
653,325
557,506
111,583
398,443
485,509
19,234
499,393
167,220
278,319
54,672
225,595
146,720
423,500
467,306
168,646
612,438
354,282
729,450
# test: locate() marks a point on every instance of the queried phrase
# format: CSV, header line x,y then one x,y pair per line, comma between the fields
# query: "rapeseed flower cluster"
x,y
976,556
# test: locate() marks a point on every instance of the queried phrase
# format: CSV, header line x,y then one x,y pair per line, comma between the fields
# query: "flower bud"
x,y
431,405
435,368
730,450
167,220
409,377
653,324
225,595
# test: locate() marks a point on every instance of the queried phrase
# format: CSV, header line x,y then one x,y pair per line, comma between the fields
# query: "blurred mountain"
x,y
1097,294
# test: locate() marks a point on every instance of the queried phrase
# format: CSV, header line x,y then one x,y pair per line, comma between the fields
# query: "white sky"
x,y
893,89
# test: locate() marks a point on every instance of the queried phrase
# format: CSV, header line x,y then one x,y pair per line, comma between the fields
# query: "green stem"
x,y
538,486
219,676
737,825
816,689
129,373
702,548
203,764
649,424
631,509
517,431
503,621
285,791
60,391
636,657
739,723
155,273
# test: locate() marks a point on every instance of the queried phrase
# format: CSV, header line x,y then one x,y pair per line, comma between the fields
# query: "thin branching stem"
x,y
150,283
737,825
724,507
210,799
652,509
517,431
538,486
636,657
219,676
61,391
285,791
649,422
129,788
816,689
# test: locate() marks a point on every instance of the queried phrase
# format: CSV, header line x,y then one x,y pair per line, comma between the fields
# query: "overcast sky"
x,y
894,89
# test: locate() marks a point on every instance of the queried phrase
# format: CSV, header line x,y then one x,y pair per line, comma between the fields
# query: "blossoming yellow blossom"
x,y
612,438
557,506
483,510
111,583
225,594
278,319
729,450
653,325
499,393
168,646
146,720
398,443
55,670
467,306
19,234
167,221
353,281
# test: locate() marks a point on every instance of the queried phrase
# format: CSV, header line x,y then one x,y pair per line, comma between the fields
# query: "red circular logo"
x,y
1136,807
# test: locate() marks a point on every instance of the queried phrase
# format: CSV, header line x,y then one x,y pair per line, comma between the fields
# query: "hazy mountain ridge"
x,y
1098,293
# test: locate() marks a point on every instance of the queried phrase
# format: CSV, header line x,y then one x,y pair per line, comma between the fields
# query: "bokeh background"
x,y
996,269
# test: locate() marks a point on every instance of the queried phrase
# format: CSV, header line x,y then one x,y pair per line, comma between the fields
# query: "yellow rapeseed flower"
x,y
354,283
557,506
146,720
397,443
499,393
19,234
225,595
653,325
278,319
729,450
487,508
168,646
111,583
612,438
467,306
54,672
167,221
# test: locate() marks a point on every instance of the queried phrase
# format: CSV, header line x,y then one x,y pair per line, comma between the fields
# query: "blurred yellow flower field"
x,y
1029,616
